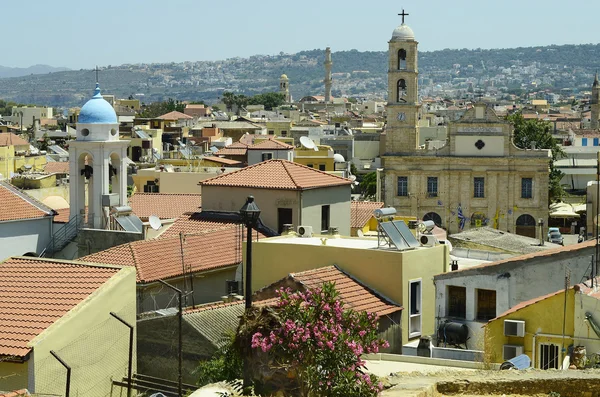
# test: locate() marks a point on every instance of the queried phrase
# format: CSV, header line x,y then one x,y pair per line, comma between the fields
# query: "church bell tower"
x,y
595,104
97,169
402,131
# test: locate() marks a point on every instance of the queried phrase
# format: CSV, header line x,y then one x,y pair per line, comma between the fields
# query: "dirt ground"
x,y
512,383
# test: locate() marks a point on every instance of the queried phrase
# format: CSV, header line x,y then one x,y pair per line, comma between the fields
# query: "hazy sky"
x,y
82,33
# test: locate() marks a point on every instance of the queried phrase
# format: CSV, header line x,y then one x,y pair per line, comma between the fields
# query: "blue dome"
x,y
97,110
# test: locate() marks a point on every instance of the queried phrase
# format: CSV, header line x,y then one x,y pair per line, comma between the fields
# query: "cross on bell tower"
x,y
403,14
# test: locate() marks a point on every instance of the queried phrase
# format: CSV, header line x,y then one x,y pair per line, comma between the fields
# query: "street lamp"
x,y
250,214
541,225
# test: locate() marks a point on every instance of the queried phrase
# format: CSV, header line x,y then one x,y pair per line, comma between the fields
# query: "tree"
x,y
269,100
539,132
368,185
228,100
318,344
225,365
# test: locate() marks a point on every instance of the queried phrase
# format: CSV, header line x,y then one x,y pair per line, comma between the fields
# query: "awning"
x,y
562,210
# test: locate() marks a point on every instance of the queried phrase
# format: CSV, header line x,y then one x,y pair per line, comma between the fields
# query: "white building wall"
x,y
255,156
24,236
338,199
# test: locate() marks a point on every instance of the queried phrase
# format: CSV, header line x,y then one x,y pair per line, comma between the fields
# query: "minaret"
x,y
97,159
284,87
595,104
402,136
327,80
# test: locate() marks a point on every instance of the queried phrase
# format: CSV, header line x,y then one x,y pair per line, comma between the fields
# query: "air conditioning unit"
x,y
305,231
428,240
511,351
514,328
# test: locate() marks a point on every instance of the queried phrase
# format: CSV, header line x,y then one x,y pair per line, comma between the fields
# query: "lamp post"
x,y
250,214
541,225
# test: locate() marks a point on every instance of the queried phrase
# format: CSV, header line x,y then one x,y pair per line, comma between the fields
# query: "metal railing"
x,y
63,236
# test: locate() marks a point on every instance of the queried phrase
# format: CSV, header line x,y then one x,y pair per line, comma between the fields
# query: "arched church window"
x,y
401,96
401,59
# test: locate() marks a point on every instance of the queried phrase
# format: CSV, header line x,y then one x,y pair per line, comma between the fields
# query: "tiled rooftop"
x,y
164,205
60,167
34,293
161,258
193,224
362,211
235,149
10,139
174,115
270,144
18,205
222,160
277,174
527,303
355,295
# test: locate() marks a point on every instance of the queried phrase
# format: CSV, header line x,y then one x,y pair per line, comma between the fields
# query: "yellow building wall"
x,y
172,182
323,156
279,127
37,183
543,317
386,271
13,376
91,341
37,163
7,153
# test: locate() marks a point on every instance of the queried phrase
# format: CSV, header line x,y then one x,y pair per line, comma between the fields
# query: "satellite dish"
x,y
338,158
307,142
352,178
360,233
155,222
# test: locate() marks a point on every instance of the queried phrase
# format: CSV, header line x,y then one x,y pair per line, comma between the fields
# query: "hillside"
x,y
6,71
355,74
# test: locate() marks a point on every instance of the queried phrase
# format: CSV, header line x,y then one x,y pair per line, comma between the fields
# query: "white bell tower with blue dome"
x,y
97,159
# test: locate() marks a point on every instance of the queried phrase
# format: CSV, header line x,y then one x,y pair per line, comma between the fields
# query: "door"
x,y
136,153
284,216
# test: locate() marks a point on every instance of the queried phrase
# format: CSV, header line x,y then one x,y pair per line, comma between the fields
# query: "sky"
x,y
81,34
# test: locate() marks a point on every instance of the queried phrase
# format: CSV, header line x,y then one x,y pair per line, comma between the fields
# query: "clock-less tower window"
x,y
401,59
401,97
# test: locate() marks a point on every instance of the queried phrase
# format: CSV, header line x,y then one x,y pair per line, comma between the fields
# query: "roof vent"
x,y
288,229
333,231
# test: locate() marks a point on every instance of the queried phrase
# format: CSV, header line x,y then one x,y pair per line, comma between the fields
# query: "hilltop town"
x,y
281,225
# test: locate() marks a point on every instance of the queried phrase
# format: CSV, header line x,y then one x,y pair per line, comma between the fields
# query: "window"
x,y
548,356
457,301
267,156
526,187
414,321
479,187
401,59
403,186
595,141
232,287
151,187
311,165
432,186
583,141
284,133
322,167
271,132
325,218
486,304
401,91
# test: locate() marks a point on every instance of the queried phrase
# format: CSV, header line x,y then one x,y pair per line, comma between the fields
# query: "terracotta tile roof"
x,y
10,139
164,205
354,294
16,393
62,215
60,167
362,211
235,149
270,144
161,258
573,248
277,174
34,293
174,115
222,160
18,205
193,224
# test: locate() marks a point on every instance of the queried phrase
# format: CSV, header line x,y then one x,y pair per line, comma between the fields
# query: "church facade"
x,y
479,178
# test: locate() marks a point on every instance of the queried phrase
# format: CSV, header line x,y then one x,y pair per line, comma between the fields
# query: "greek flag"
x,y
461,218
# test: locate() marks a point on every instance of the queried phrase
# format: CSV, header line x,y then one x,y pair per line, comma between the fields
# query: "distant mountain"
x,y
5,71
355,73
